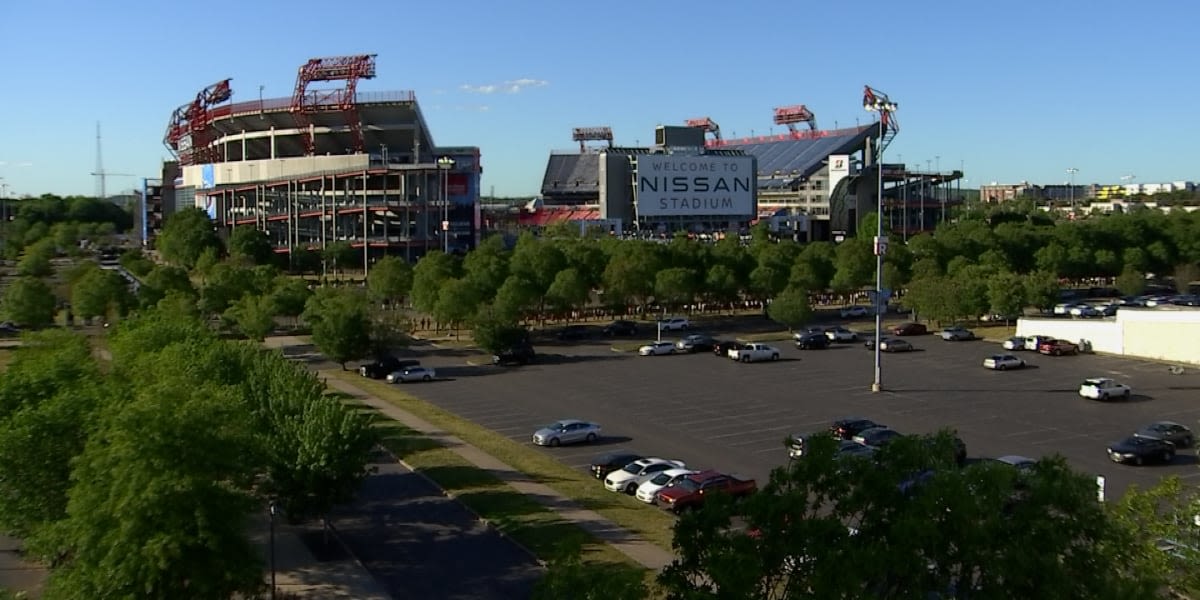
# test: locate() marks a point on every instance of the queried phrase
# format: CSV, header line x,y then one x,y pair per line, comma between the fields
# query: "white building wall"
x,y
1168,333
258,170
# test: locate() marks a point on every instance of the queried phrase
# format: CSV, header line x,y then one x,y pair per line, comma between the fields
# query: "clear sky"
x,y
1010,91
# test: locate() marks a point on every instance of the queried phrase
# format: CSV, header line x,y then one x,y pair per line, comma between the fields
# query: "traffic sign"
x,y
881,245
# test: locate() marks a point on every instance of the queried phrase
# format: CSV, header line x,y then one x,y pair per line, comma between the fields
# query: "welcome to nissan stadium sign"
x,y
695,185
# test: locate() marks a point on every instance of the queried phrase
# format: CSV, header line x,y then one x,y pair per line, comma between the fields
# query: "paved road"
x,y
716,413
418,543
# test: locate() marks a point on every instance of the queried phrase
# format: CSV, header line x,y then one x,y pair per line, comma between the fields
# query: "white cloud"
x,y
511,86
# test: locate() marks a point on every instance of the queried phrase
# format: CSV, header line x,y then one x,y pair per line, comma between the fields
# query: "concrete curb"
x,y
453,496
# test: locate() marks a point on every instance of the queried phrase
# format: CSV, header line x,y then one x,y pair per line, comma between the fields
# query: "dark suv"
x,y
575,332
384,366
621,328
522,354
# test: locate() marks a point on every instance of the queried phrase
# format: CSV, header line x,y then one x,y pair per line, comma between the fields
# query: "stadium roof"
x,y
787,157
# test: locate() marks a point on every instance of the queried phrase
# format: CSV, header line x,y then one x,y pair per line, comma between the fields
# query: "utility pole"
x,y
1071,191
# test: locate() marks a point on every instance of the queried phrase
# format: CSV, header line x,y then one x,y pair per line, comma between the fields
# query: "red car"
x,y
690,492
909,329
1058,348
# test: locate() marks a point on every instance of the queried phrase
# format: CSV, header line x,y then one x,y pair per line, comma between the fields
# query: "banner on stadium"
x,y
839,169
691,185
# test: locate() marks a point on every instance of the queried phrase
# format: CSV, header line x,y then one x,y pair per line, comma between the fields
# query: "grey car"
x,y
957,334
566,431
1170,431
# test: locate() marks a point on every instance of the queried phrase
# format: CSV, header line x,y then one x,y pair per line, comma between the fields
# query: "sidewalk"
x,y
302,574
640,551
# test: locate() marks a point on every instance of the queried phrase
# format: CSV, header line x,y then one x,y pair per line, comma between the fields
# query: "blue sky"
x,y
1009,90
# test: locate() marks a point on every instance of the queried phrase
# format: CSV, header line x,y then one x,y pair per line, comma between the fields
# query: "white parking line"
x,y
756,431
1029,432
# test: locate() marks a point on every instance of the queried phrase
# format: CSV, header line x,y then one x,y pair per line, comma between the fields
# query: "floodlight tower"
x,y
791,115
876,101
586,134
708,125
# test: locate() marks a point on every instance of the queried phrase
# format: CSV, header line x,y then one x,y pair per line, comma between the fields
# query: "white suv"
x,y
674,324
650,488
1103,388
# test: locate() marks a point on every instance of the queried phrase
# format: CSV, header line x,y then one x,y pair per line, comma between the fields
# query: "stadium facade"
x,y
807,184
323,166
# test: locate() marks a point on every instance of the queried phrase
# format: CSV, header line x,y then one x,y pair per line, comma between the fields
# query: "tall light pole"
x,y
444,164
1071,190
271,509
876,101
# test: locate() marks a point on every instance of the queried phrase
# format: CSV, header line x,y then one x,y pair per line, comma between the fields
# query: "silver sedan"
x,y
566,431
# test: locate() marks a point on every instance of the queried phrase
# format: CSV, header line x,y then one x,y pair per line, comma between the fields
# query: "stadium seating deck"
x,y
572,173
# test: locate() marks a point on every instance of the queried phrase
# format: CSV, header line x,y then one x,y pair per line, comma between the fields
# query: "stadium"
x,y
322,166
807,183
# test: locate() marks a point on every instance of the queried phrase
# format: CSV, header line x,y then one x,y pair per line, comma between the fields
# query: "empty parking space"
x,y
714,412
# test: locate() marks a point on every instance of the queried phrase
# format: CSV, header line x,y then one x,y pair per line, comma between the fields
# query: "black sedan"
x,y
621,327
876,437
812,341
722,349
848,428
1170,431
1141,450
607,463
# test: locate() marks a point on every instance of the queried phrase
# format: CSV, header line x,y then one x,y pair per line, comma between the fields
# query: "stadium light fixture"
x,y
444,164
876,101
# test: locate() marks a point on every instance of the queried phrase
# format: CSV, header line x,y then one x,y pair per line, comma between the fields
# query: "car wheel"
x,y
1001,368
1137,460
427,378
774,357
631,489
591,438
1127,395
1168,457
554,442
746,359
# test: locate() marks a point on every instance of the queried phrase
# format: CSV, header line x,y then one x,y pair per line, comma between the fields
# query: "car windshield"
x,y
661,479
556,426
1093,382
633,468
687,485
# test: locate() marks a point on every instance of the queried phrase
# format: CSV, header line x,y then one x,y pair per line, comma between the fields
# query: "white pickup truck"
x,y
754,353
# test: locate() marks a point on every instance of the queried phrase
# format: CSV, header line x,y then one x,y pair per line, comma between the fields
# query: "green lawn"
x,y
647,522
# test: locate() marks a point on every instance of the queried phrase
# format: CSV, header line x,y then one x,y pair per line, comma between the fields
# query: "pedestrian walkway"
x,y
638,550
299,572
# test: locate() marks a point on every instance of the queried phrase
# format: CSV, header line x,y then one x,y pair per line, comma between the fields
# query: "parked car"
x,y
566,431
890,345
1003,362
812,341
575,332
876,436
848,428
648,491
1034,342
910,329
1084,311
957,334
384,365
621,327
1104,388
722,348
797,442
657,349
1170,431
674,324
521,354
841,334
851,312
1058,348
607,463
696,342
417,373
754,352
690,492
628,478
1014,344
1141,450
1021,463
9,328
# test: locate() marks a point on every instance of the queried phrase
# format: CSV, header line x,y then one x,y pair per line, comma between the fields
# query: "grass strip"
x,y
649,523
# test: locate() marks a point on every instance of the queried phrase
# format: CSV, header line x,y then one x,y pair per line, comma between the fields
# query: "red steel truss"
x,y
584,134
707,124
791,115
188,136
305,104
877,101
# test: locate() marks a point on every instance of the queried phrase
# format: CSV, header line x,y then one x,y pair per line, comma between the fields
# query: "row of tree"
x,y
137,477
61,222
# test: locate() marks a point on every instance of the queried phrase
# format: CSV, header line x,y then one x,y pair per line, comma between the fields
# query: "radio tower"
x,y
100,174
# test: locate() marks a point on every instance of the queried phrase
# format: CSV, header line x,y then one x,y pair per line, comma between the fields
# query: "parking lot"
x,y
715,413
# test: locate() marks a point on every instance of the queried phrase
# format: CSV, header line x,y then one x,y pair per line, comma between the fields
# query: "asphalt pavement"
x,y
715,413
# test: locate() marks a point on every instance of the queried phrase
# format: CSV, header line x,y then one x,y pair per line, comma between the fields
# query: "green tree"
x,y
1041,289
1164,512
340,324
29,302
1185,275
675,287
721,284
289,295
163,280
250,246
486,267
905,524
208,260
253,315
855,265
630,275
515,298
390,280
340,256
494,331
456,303
568,291
1131,282
1006,294
185,236
226,284
35,262
135,261
433,270
100,293
790,308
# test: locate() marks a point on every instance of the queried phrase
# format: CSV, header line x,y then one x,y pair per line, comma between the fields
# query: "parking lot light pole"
x,y
271,510
876,101
444,164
